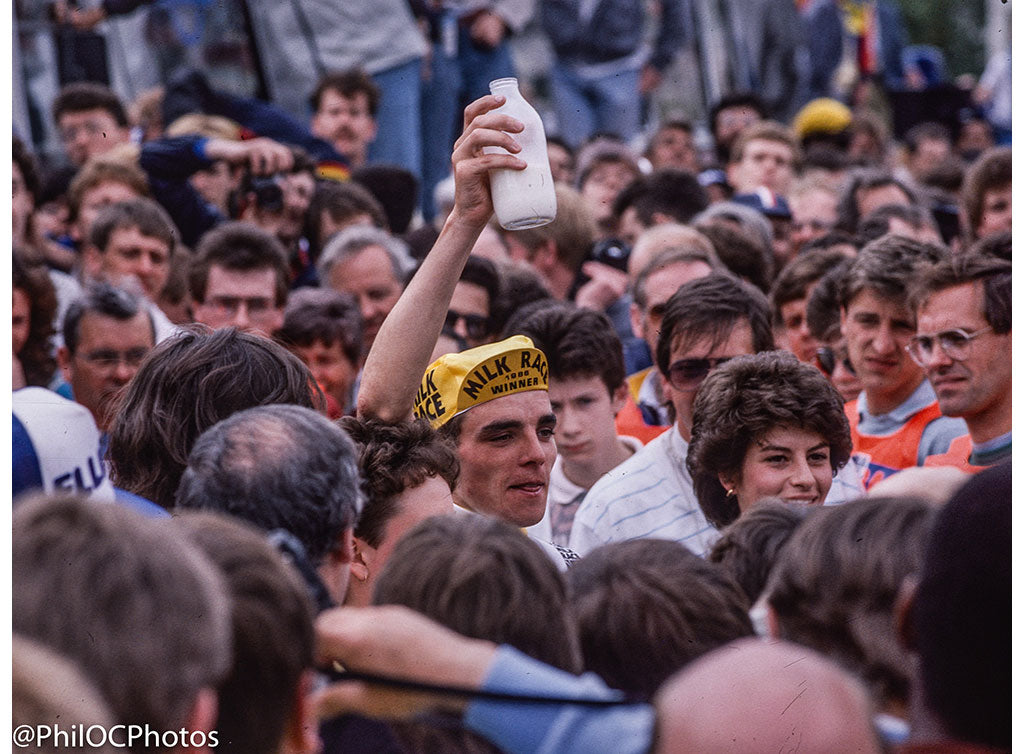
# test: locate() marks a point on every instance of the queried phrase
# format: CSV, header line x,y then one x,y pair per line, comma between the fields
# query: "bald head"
x,y
755,696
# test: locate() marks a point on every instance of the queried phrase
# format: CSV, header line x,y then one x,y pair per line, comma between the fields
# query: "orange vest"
x,y
889,453
959,451
629,420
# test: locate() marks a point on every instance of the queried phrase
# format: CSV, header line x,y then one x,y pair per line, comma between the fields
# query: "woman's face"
x,y
20,320
788,463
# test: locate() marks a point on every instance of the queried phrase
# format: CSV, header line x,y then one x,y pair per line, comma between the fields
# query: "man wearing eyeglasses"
x,y
90,120
895,421
705,323
239,278
107,334
964,343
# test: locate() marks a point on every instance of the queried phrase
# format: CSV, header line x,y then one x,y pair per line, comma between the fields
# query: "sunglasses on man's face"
x,y
828,359
688,374
476,325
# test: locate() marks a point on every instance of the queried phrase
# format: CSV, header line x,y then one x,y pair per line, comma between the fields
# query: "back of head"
x,y
835,585
140,610
646,608
740,252
272,621
579,343
277,467
961,618
187,384
710,307
796,278
674,193
395,188
48,690
754,696
750,545
481,577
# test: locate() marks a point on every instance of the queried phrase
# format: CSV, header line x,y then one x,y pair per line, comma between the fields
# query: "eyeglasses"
x,y
476,325
90,128
954,343
111,359
688,374
828,359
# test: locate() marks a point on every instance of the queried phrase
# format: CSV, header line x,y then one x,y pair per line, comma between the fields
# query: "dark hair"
x,y
149,612
272,622
37,361
927,131
243,247
835,584
647,607
668,191
88,95
482,578
739,403
577,342
998,245
876,224
325,315
521,284
395,188
962,611
992,170
750,545
887,266
341,201
484,273
823,302
864,179
27,165
107,301
394,458
740,252
831,239
711,307
188,383
823,152
144,215
737,99
993,274
277,467
348,84
796,278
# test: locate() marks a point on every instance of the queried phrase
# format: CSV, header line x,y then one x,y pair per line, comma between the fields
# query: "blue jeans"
x,y
455,81
584,106
398,118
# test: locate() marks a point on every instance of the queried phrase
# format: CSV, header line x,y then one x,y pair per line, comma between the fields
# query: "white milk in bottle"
x,y
523,198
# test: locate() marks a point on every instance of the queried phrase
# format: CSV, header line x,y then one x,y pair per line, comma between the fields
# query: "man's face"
x,y
796,335
603,184
979,385
216,183
98,197
739,343
241,298
506,449
370,277
331,368
470,307
930,154
346,122
413,505
996,211
297,193
877,331
764,162
88,133
674,148
585,434
814,215
107,356
129,253
659,288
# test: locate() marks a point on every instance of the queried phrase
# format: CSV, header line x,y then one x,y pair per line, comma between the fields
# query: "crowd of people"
x,y
717,460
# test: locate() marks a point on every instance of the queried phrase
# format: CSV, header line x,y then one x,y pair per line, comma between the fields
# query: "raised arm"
x,y
401,351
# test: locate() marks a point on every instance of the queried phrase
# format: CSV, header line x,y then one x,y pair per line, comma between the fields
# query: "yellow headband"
x,y
459,381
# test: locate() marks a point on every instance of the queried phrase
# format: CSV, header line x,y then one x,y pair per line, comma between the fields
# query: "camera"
x,y
267,191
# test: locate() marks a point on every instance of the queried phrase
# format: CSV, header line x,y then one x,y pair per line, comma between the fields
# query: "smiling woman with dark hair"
x,y
765,426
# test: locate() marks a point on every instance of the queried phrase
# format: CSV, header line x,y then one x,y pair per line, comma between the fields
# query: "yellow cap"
x,y
822,116
459,381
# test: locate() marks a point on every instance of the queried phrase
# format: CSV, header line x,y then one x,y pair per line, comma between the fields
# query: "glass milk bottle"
x,y
523,198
